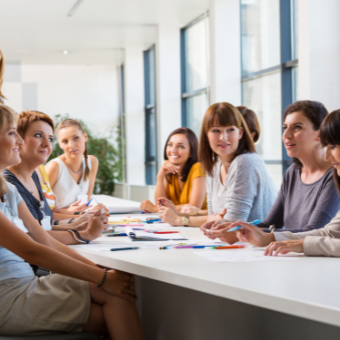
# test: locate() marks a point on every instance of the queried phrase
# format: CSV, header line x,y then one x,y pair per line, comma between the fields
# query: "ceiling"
x,y
38,31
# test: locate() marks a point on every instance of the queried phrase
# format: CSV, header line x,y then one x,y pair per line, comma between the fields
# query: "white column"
x,y
134,113
225,51
319,52
168,82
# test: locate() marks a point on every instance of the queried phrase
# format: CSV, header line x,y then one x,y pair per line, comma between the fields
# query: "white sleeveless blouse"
x,y
66,189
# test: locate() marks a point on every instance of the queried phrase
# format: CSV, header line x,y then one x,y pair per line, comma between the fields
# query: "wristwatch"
x,y
185,220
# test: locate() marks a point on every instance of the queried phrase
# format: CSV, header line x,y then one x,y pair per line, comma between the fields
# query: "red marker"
x,y
165,232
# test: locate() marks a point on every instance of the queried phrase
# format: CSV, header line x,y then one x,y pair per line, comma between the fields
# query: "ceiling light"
x,y
74,8
65,52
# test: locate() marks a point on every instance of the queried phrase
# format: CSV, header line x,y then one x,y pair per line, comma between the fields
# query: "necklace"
x,y
23,181
76,172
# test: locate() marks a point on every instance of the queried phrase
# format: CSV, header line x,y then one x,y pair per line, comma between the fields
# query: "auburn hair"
x,y
2,72
251,119
330,135
73,122
193,142
7,120
222,114
26,118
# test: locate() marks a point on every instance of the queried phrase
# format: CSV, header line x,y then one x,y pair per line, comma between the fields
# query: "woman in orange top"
x,y
181,177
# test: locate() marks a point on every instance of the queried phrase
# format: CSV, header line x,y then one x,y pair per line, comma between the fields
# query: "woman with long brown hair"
x,y
181,178
238,183
308,199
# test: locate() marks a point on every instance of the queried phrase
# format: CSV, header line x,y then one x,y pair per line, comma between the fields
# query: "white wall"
x,y
319,51
88,92
168,82
225,51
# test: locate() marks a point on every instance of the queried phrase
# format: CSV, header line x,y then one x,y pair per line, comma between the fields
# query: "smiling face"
x,y
38,143
333,155
224,140
10,142
178,149
299,136
72,141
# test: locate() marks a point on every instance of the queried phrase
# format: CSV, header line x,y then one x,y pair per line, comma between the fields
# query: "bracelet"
x,y
77,232
75,237
103,279
77,213
56,222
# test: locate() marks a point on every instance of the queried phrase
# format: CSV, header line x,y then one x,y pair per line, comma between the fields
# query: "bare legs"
x,y
114,316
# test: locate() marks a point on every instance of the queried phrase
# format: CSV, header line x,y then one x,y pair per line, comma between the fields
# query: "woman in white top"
x,y
73,173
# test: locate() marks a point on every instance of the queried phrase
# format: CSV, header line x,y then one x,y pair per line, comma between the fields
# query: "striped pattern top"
x,y
46,188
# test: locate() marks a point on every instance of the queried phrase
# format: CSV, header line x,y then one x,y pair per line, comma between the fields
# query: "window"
x,y
150,116
269,72
195,72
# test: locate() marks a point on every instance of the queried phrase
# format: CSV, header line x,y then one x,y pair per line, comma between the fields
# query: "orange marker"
x,y
229,247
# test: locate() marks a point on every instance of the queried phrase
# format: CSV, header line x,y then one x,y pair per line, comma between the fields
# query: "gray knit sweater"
x,y
249,192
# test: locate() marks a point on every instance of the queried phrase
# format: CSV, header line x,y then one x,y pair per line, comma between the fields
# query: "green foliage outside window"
x,y
110,158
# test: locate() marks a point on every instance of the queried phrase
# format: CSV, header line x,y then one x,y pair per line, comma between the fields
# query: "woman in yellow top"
x,y
181,177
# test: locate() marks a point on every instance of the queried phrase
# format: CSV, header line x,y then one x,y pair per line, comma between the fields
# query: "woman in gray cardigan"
x,y
318,242
238,183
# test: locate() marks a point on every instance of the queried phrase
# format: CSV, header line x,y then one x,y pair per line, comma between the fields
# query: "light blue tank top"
x,y
11,265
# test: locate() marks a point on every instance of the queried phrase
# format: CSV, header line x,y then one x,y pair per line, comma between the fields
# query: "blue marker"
x,y
88,203
117,234
256,222
153,220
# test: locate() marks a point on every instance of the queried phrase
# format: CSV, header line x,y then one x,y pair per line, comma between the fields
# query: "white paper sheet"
x,y
239,255
142,245
117,205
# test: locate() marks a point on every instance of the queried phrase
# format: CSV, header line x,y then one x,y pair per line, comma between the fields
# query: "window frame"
x,y
150,160
286,66
185,95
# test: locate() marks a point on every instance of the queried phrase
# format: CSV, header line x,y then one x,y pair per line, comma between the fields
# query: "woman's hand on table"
x,y
187,208
99,207
252,234
148,207
120,284
96,224
169,216
212,222
163,201
284,247
76,207
223,234
168,168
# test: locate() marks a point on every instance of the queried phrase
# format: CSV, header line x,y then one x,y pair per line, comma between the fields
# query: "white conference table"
x,y
184,296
